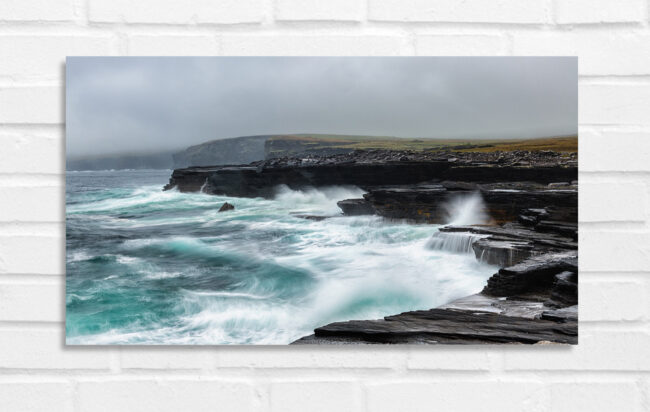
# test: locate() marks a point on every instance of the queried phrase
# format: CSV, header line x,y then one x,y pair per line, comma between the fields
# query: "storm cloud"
x,y
148,104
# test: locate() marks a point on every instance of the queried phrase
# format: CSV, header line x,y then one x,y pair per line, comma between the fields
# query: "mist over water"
x,y
152,267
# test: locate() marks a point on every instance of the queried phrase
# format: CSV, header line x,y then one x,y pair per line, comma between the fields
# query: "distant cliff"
x,y
161,160
236,150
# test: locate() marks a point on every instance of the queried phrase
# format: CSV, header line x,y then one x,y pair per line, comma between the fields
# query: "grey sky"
x,y
146,104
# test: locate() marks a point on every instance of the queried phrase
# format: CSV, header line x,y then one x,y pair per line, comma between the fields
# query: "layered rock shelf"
x,y
534,301
531,199
373,169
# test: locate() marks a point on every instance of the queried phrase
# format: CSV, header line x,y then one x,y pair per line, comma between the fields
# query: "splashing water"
x,y
152,267
453,242
466,209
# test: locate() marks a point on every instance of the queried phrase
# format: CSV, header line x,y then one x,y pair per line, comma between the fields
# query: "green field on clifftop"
x,y
317,142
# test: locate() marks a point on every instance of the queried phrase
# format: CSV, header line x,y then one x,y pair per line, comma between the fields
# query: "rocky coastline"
x,y
531,198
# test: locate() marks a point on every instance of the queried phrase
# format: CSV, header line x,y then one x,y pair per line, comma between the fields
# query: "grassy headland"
x,y
287,144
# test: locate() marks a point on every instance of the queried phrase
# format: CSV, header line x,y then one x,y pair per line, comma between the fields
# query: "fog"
x,y
150,104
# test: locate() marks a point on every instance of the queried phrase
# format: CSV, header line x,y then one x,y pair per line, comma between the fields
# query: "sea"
x,y
152,267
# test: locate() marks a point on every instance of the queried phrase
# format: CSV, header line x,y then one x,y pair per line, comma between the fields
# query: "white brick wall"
x,y
609,370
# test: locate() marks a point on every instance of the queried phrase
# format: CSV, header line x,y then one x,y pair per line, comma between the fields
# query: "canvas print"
x,y
321,200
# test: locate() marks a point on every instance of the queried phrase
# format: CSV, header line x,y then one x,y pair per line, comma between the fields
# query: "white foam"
x,y
321,200
466,209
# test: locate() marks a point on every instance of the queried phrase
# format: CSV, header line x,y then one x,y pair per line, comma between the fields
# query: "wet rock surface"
x,y
510,243
533,301
446,326
374,168
531,198
356,207
504,202
226,207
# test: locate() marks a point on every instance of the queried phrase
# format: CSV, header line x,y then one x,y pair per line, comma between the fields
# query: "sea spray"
x,y
152,267
322,200
465,209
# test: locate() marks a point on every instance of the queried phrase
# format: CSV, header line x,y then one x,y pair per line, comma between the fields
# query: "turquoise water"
x,y
152,267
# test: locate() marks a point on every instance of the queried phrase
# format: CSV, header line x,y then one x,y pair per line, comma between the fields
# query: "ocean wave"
x,y
321,200
151,267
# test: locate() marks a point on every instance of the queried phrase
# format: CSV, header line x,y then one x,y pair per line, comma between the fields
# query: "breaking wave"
x,y
152,267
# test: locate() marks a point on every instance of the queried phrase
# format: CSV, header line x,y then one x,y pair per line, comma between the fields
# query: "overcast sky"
x,y
146,104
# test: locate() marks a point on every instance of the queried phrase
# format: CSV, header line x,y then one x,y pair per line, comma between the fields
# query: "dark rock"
x,y
503,252
315,218
532,275
447,326
530,217
504,202
356,207
569,229
565,290
226,207
367,169
516,236
567,314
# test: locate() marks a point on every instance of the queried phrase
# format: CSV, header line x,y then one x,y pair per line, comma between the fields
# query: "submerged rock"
x,y
315,218
226,207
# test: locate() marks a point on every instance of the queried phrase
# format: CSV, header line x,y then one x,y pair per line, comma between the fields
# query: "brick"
x,y
176,12
612,301
45,349
177,45
451,395
453,358
17,301
26,204
595,396
165,358
31,105
37,10
36,396
346,10
32,255
303,357
471,11
42,58
30,152
165,395
621,104
320,396
460,45
238,44
599,350
600,53
599,11
613,251
612,201
610,151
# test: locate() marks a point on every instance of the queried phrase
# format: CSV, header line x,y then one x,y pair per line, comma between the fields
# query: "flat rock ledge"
x,y
446,326
533,301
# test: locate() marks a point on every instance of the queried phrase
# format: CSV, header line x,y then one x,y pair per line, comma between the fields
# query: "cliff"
x,y
374,169
237,150
162,160
531,196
